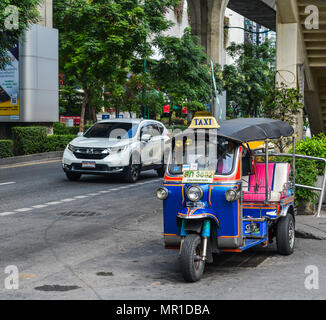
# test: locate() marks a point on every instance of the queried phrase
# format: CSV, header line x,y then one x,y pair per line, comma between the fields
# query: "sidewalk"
x,y
37,157
310,227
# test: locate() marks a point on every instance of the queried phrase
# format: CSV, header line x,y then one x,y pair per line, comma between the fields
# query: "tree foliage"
x,y
249,78
99,39
182,72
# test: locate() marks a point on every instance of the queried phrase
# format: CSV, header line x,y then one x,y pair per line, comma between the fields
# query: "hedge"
x,y
29,140
308,170
58,142
6,148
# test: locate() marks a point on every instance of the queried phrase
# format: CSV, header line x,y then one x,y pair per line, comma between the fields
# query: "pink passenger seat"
x,y
278,176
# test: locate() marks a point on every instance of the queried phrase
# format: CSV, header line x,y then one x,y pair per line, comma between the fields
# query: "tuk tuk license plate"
x,y
200,176
89,164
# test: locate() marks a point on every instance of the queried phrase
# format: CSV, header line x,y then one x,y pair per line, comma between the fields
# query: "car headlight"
x,y
112,150
232,195
162,193
195,193
71,148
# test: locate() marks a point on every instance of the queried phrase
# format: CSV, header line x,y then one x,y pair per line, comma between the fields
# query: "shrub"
x,y
6,148
308,170
29,140
58,142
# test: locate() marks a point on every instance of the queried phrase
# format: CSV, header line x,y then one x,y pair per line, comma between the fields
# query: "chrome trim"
x,y
200,189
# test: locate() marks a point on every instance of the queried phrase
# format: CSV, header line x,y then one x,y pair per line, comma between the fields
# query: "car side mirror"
x,y
80,134
145,138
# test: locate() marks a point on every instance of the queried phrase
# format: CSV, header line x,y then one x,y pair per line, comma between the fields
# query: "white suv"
x,y
118,146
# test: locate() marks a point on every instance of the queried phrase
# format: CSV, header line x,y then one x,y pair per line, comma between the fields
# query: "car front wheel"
x,y
132,172
72,176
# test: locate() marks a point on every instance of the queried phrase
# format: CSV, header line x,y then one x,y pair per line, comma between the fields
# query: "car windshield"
x,y
217,156
112,130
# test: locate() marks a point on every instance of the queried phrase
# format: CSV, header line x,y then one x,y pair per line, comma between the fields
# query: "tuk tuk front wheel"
x,y
191,261
285,235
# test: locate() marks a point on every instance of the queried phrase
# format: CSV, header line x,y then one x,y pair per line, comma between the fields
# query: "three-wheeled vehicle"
x,y
221,195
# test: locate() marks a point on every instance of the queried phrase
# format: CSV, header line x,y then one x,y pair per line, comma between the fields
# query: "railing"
x,y
322,189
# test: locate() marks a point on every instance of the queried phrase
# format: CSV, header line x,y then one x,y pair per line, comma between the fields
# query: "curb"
x,y
32,157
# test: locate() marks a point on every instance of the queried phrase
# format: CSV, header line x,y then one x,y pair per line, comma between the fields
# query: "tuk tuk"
x,y
223,193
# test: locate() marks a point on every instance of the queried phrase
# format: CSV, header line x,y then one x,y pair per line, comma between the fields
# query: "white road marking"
x,y
68,200
24,209
6,213
6,183
53,203
40,206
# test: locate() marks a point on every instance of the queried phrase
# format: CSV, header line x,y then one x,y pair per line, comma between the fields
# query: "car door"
x,y
146,147
158,143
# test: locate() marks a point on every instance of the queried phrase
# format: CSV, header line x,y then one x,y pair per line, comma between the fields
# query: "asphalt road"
x,y
102,239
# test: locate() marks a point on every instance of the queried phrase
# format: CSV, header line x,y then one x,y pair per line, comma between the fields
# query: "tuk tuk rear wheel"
x,y
285,235
192,265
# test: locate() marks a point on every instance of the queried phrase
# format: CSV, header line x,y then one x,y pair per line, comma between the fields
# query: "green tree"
x,y
182,73
99,39
284,104
247,81
12,26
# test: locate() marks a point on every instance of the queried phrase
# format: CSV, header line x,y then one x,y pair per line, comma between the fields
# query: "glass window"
x,y
112,130
202,155
147,129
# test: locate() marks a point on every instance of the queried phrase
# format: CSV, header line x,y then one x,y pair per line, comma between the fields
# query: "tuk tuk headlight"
x,y
162,193
232,195
195,193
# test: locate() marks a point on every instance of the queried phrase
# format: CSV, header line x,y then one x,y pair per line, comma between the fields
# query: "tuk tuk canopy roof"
x,y
253,129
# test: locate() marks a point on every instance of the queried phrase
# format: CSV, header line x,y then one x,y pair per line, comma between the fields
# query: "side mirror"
x,y
80,134
146,137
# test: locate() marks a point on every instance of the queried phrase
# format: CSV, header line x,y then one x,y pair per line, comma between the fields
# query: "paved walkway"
x,y
308,226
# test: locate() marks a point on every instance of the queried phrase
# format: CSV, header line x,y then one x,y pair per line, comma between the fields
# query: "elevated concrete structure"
x,y
261,12
301,50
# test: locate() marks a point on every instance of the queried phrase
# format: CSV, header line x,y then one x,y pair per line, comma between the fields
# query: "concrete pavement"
x,y
99,238
311,227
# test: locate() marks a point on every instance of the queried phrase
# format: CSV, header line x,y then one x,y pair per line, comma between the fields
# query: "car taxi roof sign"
x,y
204,122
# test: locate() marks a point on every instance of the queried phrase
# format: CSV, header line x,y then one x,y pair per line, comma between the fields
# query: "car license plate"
x,y
88,164
200,176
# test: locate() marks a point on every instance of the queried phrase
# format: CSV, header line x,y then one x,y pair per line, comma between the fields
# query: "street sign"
x,y
166,109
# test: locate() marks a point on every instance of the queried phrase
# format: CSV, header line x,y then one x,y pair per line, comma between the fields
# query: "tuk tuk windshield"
x,y
202,155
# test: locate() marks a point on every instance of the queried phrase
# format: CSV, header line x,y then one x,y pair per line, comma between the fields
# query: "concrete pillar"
x,y
288,57
46,13
207,22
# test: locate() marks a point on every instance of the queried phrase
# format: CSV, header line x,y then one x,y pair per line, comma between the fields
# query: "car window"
x,y
112,130
147,129
158,128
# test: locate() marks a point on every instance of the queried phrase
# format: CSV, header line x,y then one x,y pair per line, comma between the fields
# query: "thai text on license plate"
x,y
200,176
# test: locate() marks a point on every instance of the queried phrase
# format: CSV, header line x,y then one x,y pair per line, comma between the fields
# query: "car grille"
x,y
90,153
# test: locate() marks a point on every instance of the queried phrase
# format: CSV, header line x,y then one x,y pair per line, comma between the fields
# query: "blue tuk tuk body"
x,y
230,226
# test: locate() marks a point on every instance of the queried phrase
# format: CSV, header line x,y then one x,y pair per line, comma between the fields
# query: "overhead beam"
x,y
255,10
